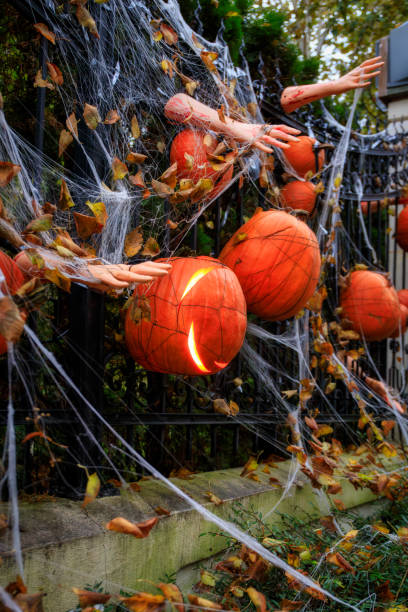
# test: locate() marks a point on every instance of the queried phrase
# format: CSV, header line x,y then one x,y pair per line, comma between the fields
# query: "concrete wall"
x,y
65,545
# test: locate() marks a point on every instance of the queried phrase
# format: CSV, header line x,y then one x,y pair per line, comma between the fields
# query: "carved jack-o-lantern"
x,y
190,322
13,280
277,260
192,150
370,304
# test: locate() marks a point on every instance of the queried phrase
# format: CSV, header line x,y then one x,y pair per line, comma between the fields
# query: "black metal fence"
x,y
171,420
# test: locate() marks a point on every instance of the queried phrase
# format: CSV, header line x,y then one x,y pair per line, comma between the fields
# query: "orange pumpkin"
x,y
13,280
299,195
374,206
402,322
370,303
277,260
301,156
403,296
190,322
190,149
402,229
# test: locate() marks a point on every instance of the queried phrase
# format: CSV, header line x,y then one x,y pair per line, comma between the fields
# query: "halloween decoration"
x,y
299,195
277,260
370,305
190,322
192,150
401,234
301,156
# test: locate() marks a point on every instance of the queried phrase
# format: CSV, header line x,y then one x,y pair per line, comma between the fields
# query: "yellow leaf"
x,y
134,127
119,169
151,248
99,210
65,200
133,242
257,598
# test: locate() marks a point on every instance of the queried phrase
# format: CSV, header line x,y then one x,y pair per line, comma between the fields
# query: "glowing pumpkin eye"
x,y
193,350
194,280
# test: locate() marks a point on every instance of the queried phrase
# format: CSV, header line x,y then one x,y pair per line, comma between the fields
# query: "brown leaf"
x,y
162,511
135,158
323,430
7,171
134,127
183,473
169,35
257,598
91,116
112,117
86,20
11,322
64,239
44,31
39,81
90,598
191,86
339,505
72,124
29,602
221,114
387,426
137,180
170,176
65,140
138,530
310,422
86,225
144,602
133,242
151,247
252,108
161,189
337,559
55,73
65,200
172,593
213,498
221,406
209,57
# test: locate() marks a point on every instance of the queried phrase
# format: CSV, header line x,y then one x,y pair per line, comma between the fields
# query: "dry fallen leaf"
x,y
112,117
138,530
86,20
133,242
65,140
172,593
119,169
44,31
91,116
7,171
134,127
55,73
151,247
11,321
90,598
92,489
257,598
144,602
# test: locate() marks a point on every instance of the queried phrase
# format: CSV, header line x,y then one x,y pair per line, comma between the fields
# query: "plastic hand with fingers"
x,y
120,276
184,109
102,277
260,136
295,97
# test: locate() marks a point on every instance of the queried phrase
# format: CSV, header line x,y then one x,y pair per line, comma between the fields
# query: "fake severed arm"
x,y
299,95
102,277
184,109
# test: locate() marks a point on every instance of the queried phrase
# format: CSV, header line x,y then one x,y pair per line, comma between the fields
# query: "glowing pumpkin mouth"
x,y
194,280
193,350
